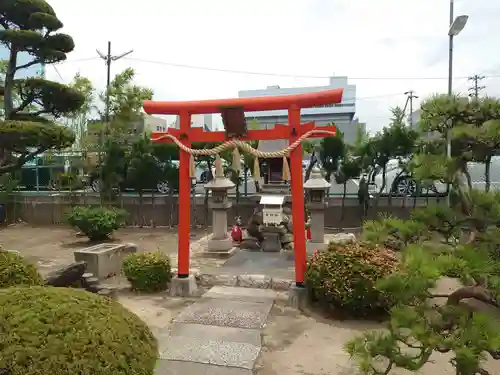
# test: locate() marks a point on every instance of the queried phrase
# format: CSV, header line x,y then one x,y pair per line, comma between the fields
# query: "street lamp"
x,y
456,26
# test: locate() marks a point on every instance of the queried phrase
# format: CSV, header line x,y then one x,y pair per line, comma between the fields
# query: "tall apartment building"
x,y
342,114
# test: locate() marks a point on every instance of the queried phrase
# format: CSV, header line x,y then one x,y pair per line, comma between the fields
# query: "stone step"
x,y
214,352
216,333
167,367
92,281
225,313
242,294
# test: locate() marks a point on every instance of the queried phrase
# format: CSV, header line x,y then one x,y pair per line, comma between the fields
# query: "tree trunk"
x,y
8,96
311,165
467,176
9,83
343,202
487,171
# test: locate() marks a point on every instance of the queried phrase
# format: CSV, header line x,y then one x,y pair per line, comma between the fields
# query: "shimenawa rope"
x,y
237,144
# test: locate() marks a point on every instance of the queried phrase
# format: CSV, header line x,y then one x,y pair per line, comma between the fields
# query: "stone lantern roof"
x,y
219,183
316,181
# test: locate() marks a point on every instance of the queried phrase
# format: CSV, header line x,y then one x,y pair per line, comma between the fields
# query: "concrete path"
x,y
218,335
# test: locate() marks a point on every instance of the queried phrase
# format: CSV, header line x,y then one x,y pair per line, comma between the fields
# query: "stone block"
x,y
254,281
297,297
241,294
311,247
217,245
272,243
342,238
104,260
280,284
183,287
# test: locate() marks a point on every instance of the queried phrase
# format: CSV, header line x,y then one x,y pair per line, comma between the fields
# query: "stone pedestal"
x,y
317,241
297,297
183,287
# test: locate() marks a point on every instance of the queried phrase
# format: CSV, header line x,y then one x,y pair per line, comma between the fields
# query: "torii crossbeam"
x,y
293,131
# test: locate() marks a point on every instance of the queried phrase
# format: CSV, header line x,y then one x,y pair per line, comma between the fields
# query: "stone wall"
x,y
163,211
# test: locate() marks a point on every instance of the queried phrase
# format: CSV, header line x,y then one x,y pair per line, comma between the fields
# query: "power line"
x,y
76,60
474,90
197,67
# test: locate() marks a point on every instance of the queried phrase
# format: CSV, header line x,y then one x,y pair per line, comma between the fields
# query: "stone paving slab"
x,y
249,336
214,352
242,294
226,313
166,367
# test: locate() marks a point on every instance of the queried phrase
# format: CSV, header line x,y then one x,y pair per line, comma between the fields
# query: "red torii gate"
x,y
293,131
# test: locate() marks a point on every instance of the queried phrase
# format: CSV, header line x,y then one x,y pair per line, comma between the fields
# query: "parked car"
x,y
400,183
162,187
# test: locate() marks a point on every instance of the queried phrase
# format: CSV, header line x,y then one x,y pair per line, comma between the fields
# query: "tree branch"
x,y
27,65
21,160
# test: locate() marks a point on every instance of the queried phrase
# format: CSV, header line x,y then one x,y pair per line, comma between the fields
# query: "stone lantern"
x,y
220,242
316,188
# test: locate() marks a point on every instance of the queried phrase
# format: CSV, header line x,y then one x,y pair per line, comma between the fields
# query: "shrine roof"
x,y
272,146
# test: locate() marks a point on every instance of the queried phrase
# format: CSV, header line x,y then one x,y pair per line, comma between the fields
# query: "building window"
x,y
334,105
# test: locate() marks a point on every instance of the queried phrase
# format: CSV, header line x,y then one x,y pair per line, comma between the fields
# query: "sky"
x,y
385,47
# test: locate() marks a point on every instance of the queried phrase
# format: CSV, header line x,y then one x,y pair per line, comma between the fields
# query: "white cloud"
x,y
357,38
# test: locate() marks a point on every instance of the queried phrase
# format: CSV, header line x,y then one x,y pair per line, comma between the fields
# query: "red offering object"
x,y
308,233
236,233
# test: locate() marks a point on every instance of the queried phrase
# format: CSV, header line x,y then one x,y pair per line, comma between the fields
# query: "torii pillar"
x,y
293,131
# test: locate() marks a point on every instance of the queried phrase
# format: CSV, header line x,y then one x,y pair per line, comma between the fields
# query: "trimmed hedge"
x,y
97,222
148,272
64,331
345,277
15,270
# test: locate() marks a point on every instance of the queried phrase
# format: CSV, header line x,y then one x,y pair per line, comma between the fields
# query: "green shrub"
x,y
48,330
148,272
97,222
15,270
345,276
69,180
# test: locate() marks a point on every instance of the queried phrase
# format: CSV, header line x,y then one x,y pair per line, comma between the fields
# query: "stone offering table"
x,y
104,260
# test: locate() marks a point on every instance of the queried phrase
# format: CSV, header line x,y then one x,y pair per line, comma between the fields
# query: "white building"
x,y
154,124
199,121
342,114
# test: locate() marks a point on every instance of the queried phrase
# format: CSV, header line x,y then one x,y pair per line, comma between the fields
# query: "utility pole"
x,y
108,58
474,90
410,95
